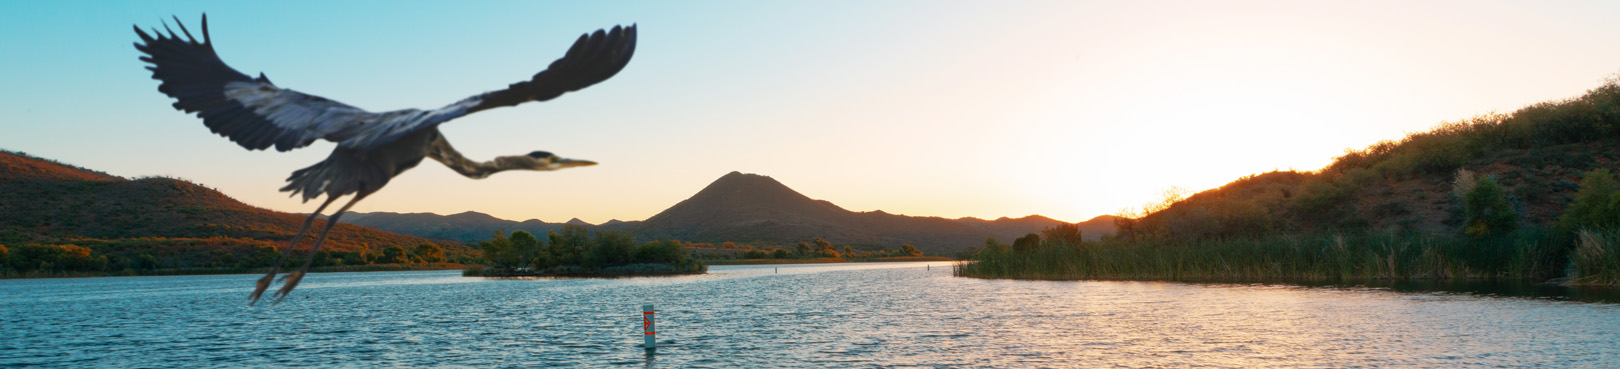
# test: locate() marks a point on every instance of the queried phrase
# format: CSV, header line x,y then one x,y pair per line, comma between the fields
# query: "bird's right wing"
x,y
251,112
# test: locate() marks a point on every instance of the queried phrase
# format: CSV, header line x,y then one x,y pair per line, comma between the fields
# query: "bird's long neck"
x,y
440,150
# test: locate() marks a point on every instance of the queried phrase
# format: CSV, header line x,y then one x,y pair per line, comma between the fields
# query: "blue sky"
x,y
943,108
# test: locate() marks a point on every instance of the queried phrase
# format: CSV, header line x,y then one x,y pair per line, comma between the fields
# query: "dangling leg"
x,y
264,283
293,278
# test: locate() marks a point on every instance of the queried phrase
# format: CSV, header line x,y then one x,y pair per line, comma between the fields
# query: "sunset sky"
x,y
986,109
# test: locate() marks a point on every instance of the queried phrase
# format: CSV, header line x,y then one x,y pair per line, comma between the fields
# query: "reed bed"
x,y
1530,255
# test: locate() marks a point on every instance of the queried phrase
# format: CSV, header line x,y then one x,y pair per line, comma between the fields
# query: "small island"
x,y
574,251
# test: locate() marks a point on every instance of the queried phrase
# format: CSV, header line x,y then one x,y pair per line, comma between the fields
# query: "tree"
x,y
909,250
990,244
780,254
325,257
1596,205
1027,243
849,251
149,262
57,258
825,249
566,246
395,255
1489,212
4,254
660,252
498,251
429,253
526,249
1068,233
802,248
610,248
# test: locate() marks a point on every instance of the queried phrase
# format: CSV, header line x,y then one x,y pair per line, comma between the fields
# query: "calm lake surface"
x,y
844,315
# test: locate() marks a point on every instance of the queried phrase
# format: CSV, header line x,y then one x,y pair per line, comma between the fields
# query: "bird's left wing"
x,y
593,58
251,112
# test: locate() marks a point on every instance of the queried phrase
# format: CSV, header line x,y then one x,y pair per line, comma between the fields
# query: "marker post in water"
x,y
648,333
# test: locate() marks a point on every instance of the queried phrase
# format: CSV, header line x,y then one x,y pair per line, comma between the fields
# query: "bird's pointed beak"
x,y
570,163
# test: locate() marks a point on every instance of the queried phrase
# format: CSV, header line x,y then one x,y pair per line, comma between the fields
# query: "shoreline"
x,y
826,260
250,271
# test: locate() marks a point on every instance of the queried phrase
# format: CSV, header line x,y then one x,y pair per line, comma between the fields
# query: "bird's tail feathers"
x,y
336,176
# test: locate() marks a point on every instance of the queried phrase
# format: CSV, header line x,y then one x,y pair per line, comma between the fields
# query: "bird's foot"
x,y
260,286
291,283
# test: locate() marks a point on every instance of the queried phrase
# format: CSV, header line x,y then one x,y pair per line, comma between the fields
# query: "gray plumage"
x,y
372,148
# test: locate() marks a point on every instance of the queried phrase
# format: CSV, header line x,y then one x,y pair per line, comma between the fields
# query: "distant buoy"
x,y
650,337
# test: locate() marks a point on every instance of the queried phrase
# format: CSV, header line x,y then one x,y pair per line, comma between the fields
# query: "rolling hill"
x,y
46,202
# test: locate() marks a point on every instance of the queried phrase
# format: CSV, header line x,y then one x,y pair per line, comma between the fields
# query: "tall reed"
x,y
1532,254
1596,260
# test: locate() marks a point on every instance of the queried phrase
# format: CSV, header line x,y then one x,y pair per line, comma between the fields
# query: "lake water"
x,y
845,315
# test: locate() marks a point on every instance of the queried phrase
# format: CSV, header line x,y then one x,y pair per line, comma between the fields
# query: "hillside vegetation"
x,y
1526,195
58,219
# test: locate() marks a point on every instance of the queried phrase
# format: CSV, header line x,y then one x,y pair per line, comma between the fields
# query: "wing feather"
x,y
593,58
251,112
257,114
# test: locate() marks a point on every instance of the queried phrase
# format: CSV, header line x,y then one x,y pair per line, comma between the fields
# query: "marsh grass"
x,y
1596,260
1531,254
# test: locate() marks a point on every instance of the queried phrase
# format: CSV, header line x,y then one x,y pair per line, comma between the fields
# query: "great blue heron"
x,y
371,147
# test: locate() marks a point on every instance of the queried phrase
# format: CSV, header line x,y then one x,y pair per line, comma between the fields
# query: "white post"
x,y
648,333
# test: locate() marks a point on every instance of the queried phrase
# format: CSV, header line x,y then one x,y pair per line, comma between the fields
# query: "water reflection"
x,y
791,316
1490,288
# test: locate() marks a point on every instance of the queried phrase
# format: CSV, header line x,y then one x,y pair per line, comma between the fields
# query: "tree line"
x,y
576,250
150,256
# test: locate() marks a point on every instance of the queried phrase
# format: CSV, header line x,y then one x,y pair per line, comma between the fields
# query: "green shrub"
x,y
1597,203
1488,210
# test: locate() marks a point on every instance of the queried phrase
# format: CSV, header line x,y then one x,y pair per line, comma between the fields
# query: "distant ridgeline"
x,y
753,210
1529,195
62,220
574,251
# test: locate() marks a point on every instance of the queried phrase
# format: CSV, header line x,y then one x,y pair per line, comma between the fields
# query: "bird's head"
x,y
541,160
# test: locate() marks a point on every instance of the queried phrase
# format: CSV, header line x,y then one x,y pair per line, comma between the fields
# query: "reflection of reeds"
x,y
1372,255
1595,261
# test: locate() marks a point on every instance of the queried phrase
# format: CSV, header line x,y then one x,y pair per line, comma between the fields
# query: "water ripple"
x,y
795,316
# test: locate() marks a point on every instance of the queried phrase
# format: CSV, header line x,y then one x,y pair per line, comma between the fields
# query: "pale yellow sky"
x,y
939,108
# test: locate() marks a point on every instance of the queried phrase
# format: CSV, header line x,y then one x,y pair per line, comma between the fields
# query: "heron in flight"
x,y
372,148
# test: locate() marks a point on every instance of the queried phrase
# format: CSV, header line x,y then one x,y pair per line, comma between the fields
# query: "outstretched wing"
x,y
257,114
251,112
593,58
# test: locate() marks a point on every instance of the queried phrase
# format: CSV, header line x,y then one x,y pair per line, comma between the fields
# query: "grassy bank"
x,y
229,270
826,260
1531,254
631,270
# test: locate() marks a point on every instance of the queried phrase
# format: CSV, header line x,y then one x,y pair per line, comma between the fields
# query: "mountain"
x,y
467,226
752,208
43,201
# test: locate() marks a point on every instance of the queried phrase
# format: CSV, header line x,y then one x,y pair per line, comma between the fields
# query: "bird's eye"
x,y
540,155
